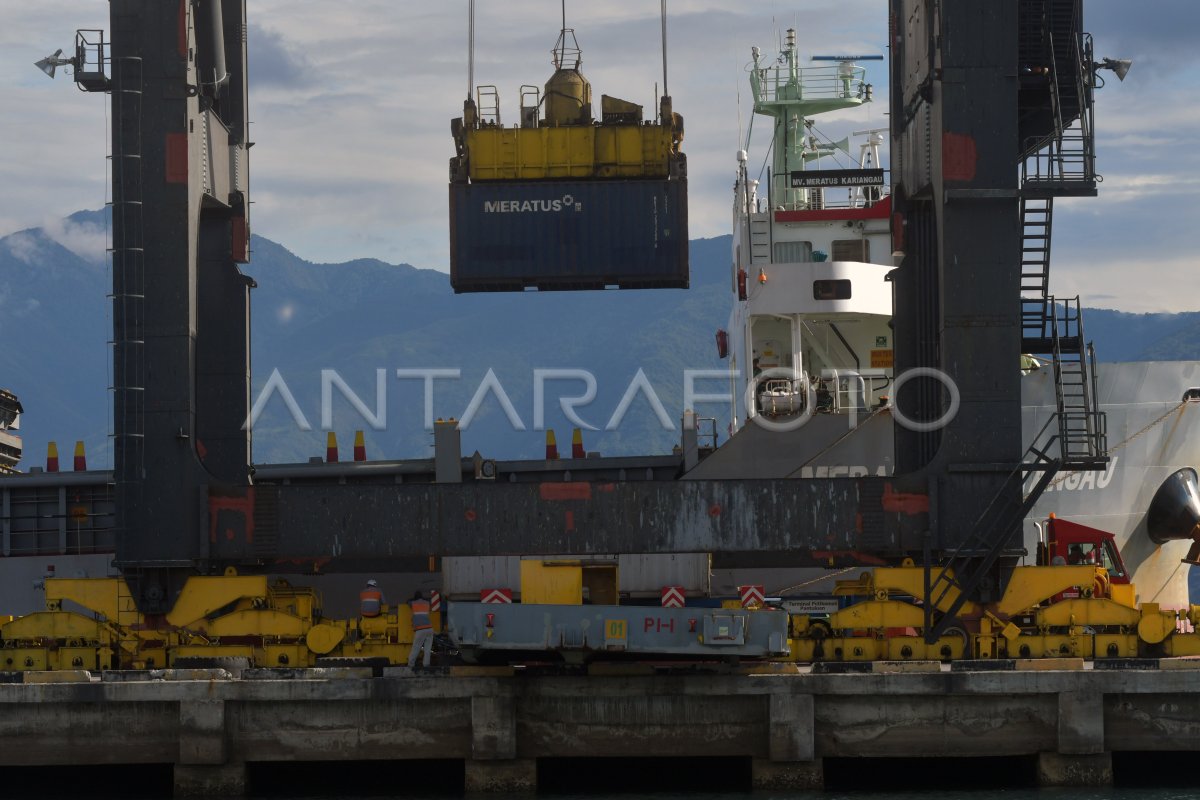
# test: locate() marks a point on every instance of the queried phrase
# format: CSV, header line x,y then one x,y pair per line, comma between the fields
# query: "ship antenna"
x,y
471,48
739,111
666,93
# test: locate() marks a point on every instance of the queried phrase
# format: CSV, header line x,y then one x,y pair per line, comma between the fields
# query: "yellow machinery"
x,y
557,138
91,623
1046,611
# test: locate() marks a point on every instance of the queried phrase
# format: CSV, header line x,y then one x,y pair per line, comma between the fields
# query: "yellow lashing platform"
x,y
579,151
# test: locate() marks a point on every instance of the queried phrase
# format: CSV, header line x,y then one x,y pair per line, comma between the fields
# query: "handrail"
x,y
781,188
775,84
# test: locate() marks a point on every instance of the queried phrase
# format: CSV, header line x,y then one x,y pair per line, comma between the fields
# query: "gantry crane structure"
x,y
977,91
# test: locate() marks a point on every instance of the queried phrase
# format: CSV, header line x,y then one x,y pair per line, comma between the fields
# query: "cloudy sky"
x,y
351,103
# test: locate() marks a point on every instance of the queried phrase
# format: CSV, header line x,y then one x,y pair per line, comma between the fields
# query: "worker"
x,y
422,630
370,600
1075,554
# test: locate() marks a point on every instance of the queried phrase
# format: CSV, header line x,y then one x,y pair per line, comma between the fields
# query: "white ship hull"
x,y
1152,434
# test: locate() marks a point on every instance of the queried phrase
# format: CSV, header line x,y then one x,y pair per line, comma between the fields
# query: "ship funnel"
x,y
568,93
1175,510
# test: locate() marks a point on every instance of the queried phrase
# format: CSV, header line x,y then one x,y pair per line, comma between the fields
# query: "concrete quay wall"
x,y
210,727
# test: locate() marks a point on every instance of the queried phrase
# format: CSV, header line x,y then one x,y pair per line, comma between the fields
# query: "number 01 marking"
x,y
614,629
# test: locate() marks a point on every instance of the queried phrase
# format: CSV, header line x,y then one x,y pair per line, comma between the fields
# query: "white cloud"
x,y
352,102
24,246
1131,188
1148,282
87,240
351,108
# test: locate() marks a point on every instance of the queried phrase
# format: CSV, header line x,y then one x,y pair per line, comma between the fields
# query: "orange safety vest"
x,y
370,601
420,615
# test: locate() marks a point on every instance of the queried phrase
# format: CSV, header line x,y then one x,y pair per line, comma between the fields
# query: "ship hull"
x,y
1152,434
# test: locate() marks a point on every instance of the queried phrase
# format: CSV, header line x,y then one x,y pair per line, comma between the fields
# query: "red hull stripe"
x,y
881,210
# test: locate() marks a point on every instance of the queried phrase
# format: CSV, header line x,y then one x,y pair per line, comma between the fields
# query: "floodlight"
x,y
52,62
1120,66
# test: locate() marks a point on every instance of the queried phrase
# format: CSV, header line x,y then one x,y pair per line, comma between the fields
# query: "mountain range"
x,y
360,317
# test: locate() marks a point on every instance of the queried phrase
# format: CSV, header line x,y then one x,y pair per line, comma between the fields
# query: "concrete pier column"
x,y
791,727
493,727
202,732
1081,759
792,762
494,766
786,776
1057,769
513,776
1080,723
210,780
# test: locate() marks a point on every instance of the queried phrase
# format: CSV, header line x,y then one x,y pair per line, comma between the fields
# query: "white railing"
x,y
842,82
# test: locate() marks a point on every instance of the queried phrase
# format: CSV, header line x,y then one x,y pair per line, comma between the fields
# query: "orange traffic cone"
x,y
52,457
577,444
331,454
360,447
551,446
80,458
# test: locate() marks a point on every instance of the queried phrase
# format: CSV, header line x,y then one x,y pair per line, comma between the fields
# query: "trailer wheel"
x,y
960,633
820,629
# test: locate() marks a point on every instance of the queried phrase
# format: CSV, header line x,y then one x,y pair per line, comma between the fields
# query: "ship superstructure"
x,y
811,248
810,344
10,427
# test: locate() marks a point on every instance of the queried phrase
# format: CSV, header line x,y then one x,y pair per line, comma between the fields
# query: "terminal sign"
x,y
836,178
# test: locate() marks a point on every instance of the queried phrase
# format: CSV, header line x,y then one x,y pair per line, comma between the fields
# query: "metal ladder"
x,y
1082,433
1037,217
961,576
128,268
760,241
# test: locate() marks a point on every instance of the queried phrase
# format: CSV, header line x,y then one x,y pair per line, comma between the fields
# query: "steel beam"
x,y
818,522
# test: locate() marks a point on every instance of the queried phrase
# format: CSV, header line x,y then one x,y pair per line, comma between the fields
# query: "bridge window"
x,y
851,250
831,290
793,252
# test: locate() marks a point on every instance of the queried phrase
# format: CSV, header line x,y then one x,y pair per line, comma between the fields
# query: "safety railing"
x,y
785,198
843,82
487,99
1067,161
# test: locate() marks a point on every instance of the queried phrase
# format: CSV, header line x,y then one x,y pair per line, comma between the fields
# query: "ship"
x,y
810,353
10,432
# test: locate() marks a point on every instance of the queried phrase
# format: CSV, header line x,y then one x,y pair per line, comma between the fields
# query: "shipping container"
x,y
646,575
510,236
638,575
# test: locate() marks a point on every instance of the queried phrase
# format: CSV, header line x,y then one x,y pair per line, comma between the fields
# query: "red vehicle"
x,y
1070,543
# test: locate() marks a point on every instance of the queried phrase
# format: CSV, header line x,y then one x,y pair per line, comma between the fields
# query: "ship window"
x,y
831,290
851,250
792,252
